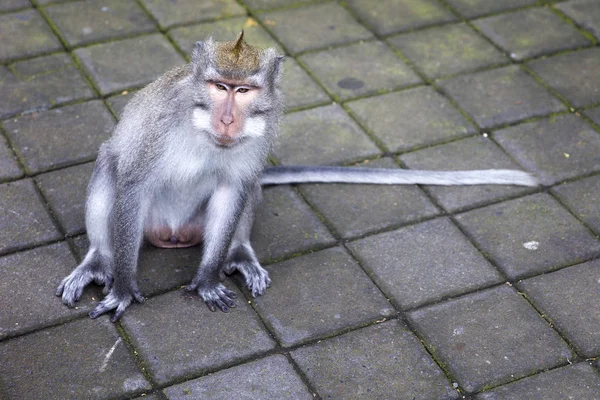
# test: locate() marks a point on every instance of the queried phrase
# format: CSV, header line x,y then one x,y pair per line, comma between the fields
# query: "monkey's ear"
x,y
202,55
275,70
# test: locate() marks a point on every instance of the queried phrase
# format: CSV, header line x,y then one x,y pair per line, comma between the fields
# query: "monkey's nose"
x,y
227,119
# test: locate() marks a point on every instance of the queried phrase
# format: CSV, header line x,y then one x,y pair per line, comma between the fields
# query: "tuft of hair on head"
x,y
237,57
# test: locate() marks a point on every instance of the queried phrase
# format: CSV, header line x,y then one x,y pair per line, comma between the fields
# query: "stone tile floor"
x,y
379,292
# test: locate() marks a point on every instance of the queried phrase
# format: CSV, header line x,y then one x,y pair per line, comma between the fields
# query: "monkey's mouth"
x,y
224,141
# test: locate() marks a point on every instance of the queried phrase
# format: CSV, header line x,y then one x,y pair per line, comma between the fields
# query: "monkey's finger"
x,y
228,293
222,306
61,287
118,314
137,295
211,305
98,311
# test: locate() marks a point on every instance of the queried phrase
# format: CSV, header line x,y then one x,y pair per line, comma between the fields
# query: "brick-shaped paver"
x,y
467,154
61,136
355,210
489,338
91,21
270,378
29,279
374,68
65,190
501,96
118,102
129,63
579,381
41,83
316,295
569,298
383,361
582,198
531,33
9,167
41,365
25,34
9,5
177,12
265,4
324,135
389,16
286,225
575,76
553,149
474,8
448,50
594,115
215,339
299,89
585,13
411,118
315,26
223,30
529,235
424,263
22,207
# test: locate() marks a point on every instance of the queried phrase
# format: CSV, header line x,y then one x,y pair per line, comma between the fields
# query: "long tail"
x,y
323,174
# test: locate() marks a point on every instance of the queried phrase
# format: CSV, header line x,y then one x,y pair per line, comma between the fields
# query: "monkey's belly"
x,y
184,236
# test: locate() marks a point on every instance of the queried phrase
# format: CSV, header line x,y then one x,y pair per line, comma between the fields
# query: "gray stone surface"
x,y
177,12
213,340
299,89
585,13
317,295
62,136
501,96
25,34
594,115
474,8
378,362
118,102
582,198
270,378
9,167
489,338
529,235
9,5
424,263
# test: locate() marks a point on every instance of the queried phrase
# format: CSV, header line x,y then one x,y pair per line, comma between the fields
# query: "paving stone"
x,y
26,291
583,199
270,378
9,167
569,298
9,5
383,361
315,26
594,115
214,340
585,13
128,63
65,190
355,210
424,263
61,136
501,96
389,16
119,101
175,12
447,50
25,34
264,4
530,235
224,30
298,87
411,118
466,154
91,21
22,207
553,149
84,359
375,68
324,135
579,381
575,76
475,8
317,295
531,33
489,338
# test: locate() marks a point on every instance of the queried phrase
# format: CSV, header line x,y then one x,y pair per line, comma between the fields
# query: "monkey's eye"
x,y
242,90
220,86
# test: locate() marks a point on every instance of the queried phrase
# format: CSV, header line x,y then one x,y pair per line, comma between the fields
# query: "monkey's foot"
x,y
93,268
214,296
117,302
242,258
164,237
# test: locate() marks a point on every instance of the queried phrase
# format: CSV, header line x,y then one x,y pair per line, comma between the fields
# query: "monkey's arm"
x,y
311,174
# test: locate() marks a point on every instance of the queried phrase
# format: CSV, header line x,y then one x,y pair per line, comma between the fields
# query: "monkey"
x,y
185,166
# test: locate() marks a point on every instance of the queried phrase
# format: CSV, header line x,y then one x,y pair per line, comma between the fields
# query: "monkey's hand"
x,y
216,295
118,299
71,288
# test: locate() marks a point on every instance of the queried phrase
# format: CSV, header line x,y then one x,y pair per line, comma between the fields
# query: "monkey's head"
x,y
236,97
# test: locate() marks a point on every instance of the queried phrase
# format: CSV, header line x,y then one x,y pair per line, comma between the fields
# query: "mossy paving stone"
x,y
299,89
265,4
9,167
60,136
582,198
317,295
25,34
489,338
9,5
594,115
447,50
467,154
314,26
585,13
530,235
474,8
213,339
501,96
175,12
374,68
384,361
270,378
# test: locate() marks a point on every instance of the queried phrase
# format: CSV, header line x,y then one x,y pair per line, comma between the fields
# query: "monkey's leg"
x,y
241,255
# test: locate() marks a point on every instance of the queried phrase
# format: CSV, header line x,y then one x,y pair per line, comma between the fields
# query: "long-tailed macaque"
x,y
185,166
